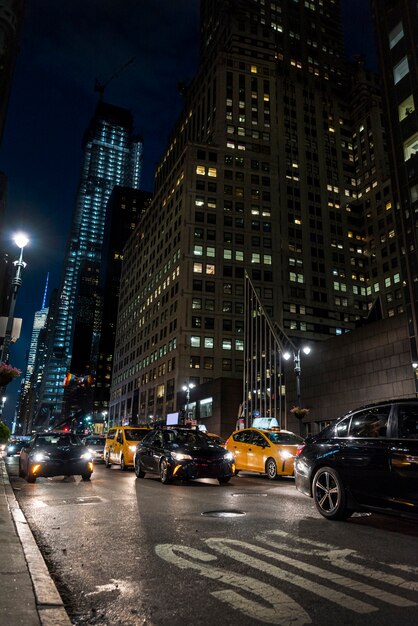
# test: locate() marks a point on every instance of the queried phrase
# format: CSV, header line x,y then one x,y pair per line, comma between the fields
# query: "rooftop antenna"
x,y
99,86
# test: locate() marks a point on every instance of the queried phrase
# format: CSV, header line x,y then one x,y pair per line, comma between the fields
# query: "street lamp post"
x,y
187,388
105,413
21,241
297,367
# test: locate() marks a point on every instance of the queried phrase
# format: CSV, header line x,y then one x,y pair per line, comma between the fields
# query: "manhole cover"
x,y
223,513
91,500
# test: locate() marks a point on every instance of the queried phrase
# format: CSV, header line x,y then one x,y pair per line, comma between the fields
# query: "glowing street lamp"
x,y
296,361
21,240
187,388
106,414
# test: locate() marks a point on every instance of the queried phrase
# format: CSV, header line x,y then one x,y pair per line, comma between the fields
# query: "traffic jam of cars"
x,y
367,460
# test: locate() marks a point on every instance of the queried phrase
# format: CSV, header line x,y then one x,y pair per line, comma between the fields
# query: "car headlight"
x,y
180,456
229,456
132,448
86,455
285,454
39,457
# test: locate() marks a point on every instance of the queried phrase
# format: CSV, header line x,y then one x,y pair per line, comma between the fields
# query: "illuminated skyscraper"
x,y
276,168
396,24
112,156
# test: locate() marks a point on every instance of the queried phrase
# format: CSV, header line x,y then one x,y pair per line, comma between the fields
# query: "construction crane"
x,y
99,87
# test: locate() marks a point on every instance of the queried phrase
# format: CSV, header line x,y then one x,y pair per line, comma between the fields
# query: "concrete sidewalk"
x,y
28,595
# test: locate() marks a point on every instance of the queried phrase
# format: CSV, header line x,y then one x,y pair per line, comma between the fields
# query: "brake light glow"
x,y
300,448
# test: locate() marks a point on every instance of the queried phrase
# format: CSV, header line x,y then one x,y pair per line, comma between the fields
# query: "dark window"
x,y
408,421
243,436
258,440
370,422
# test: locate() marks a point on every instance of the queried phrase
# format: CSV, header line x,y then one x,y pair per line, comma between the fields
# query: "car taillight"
x,y
300,448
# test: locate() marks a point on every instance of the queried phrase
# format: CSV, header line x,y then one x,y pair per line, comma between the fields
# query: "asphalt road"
x,y
127,551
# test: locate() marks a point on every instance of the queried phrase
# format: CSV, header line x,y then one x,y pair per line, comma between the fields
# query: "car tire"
x,y
165,472
107,462
224,479
21,472
271,469
138,471
122,464
86,476
329,494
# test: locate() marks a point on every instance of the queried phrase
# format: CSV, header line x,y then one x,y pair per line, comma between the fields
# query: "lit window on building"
x,y
400,70
201,170
395,35
208,343
195,341
197,268
406,107
410,146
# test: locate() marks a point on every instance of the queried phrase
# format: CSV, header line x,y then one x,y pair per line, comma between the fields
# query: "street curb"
x,y
48,601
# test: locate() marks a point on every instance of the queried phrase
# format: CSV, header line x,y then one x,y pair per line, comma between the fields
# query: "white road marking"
x,y
282,609
338,558
332,595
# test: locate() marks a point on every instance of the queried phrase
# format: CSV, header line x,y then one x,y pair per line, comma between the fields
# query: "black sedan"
x,y
14,446
182,453
55,454
367,460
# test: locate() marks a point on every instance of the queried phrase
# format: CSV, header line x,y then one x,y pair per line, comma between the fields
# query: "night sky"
x,y
66,46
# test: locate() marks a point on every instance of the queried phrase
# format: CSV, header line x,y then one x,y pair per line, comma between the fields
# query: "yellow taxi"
x,y
268,451
120,445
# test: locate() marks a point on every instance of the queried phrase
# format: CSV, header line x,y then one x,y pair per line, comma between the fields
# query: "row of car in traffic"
x,y
368,459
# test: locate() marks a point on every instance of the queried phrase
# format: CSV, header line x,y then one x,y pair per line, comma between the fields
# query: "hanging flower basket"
x,y
299,412
8,373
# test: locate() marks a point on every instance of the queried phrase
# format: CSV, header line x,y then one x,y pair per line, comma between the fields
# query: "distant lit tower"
x,y
29,383
111,156
11,17
38,323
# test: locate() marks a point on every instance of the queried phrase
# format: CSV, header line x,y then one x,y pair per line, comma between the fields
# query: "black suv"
x,y
367,459
184,453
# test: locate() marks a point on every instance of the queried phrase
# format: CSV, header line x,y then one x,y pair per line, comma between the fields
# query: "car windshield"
x,y
284,439
188,438
57,440
94,441
135,434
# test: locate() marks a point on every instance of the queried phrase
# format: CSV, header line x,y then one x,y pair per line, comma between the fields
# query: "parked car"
x,y
15,445
55,454
96,443
184,453
120,445
268,451
367,460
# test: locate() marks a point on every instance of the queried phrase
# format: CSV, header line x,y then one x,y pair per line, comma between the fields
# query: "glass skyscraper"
x,y
112,156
